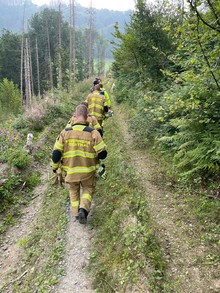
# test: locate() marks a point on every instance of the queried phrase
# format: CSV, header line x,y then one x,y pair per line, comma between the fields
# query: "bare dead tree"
x,y
30,66
21,70
72,62
90,41
60,48
74,39
22,56
71,45
38,69
27,73
49,57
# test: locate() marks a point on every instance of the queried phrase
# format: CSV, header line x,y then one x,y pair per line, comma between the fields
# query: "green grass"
x,y
126,249
44,247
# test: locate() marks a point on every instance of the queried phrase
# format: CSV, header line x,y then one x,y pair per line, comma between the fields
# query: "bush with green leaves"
x,y
19,158
21,123
10,99
181,117
7,187
32,179
9,139
183,124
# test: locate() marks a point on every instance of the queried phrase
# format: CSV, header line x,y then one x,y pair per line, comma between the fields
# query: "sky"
x,y
120,5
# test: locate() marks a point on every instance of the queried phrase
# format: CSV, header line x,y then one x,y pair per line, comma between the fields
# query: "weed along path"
x,y
188,269
10,250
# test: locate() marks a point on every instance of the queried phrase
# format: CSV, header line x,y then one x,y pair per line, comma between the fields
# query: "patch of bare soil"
x,y
78,249
9,249
186,255
78,238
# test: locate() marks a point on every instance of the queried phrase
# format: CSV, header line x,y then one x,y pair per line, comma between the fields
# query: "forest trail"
x,y
10,250
78,249
177,230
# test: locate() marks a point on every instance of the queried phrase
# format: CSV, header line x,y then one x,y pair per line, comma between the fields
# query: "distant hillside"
x,y
13,12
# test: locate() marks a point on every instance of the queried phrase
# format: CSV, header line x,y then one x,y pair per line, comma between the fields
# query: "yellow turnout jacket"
x,y
79,146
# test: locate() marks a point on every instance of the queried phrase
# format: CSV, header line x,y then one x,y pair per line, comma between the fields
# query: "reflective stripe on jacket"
x,y
79,146
108,101
96,103
92,121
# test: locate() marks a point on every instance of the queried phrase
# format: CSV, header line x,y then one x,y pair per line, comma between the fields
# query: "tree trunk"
x,y
59,49
49,58
22,62
38,70
72,62
27,74
90,41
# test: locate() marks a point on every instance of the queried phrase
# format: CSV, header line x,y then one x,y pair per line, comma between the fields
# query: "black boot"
x,y
83,216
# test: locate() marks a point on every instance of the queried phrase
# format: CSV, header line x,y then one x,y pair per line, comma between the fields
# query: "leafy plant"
x,y
10,100
7,187
19,158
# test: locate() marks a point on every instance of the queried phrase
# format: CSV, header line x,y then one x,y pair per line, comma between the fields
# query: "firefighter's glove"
x,y
58,178
110,113
102,172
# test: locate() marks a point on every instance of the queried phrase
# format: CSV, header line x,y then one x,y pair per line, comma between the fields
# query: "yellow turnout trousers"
x,y
81,198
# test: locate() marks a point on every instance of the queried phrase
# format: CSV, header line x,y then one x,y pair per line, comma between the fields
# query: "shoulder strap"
x,y
88,129
68,128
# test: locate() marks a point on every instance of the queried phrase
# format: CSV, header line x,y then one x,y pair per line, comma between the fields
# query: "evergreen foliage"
x,y
10,100
48,38
10,56
167,68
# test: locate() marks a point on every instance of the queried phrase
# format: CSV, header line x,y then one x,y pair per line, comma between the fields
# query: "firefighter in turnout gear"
x,y
80,148
91,119
97,104
103,92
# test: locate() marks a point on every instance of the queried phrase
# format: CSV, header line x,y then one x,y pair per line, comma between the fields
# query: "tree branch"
x,y
194,8
204,55
214,12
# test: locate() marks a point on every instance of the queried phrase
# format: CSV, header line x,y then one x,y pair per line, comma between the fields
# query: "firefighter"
x,y
103,92
97,104
80,147
97,81
91,119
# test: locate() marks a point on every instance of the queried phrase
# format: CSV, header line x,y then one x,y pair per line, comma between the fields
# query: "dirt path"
x,y
180,239
183,249
9,249
78,249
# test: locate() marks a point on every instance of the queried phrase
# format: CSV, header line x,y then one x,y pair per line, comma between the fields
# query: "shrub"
x,y
21,123
9,139
32,180
10,99
19,158
7,186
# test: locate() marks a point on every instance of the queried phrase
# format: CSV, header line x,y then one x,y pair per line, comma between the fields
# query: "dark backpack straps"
x,y
88,129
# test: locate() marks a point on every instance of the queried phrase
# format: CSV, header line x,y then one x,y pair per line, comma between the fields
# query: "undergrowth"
x,y
43,248
126,250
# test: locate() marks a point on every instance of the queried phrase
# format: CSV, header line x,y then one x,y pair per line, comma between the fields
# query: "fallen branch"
x,y
23,185
33,197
